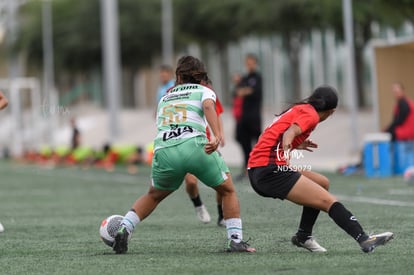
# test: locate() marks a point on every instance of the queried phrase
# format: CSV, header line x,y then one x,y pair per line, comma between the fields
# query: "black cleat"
x,y
242,246
120,245
375,240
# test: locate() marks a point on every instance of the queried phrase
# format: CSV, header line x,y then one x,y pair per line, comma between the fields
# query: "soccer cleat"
x,y
310,244
120,245
221,222
242,246
375,240
202,214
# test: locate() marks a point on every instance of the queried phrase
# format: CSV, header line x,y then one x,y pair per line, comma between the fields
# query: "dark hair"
x,y
106,147
323,98
191,70
251,56
399,84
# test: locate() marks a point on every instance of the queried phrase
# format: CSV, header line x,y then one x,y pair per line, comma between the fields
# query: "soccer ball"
x,y
409,175
109,227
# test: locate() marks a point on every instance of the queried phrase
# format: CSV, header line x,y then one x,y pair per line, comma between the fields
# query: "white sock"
x,y
130,220
234,229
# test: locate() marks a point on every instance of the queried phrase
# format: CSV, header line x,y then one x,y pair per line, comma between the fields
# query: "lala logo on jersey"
x,y
176,131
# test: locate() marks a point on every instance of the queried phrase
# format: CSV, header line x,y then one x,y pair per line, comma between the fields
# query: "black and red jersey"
x,y
219,111
269,148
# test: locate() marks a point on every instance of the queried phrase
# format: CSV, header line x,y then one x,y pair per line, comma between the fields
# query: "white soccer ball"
x,y
1,228
109,227
409,175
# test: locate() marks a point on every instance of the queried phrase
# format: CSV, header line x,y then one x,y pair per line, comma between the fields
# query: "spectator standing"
x,y
76,139
402,125
248,128
167,81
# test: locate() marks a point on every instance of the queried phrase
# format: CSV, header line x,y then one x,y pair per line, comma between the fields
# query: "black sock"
x,y
220,212
197,201
347,221
307,221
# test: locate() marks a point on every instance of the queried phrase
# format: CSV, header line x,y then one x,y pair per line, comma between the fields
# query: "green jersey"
x,y
180,114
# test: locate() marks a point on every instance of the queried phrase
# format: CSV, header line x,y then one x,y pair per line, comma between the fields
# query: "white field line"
x,y
374,201
361,199
134,179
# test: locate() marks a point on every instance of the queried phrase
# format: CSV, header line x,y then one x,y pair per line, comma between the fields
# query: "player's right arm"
x,y
3,101
212,120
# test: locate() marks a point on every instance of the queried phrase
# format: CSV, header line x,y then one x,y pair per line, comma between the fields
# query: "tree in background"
x,y
77,39
77,36
216,23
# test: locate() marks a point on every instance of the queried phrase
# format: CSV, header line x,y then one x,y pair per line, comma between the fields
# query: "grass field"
x,y
51,219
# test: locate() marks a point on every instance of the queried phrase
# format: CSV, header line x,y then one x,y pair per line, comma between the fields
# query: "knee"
x,y
225,189
190,181
328,202
155,195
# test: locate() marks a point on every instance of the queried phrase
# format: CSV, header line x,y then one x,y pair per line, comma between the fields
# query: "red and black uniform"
x,y
402,126
249,122
219,111
268,172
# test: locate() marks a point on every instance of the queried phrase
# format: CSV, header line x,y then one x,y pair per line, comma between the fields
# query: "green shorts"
x,y
171,164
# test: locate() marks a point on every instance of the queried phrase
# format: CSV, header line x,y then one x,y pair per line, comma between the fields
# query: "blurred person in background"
x,y
3,104
401,128
249,90
167,81
402,125
75,138
3,101
237,105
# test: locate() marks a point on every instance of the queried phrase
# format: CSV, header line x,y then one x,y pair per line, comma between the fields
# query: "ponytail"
x,y
323,98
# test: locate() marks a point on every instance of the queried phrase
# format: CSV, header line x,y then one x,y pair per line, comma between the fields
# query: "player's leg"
x,y
167,175
142,207
192,191
307,192
219,178
220,219
231,213
309,216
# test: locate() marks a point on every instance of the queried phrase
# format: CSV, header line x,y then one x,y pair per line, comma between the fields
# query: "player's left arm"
x,y
213,121
222,142
289,135
3,101
219,111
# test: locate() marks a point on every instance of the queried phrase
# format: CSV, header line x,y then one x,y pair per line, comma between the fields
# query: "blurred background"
x,y
98,61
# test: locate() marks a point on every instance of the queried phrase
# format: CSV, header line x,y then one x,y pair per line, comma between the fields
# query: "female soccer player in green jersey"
x,y
181,147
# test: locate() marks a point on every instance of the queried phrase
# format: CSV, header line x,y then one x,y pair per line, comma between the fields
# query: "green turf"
x,y
52,216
